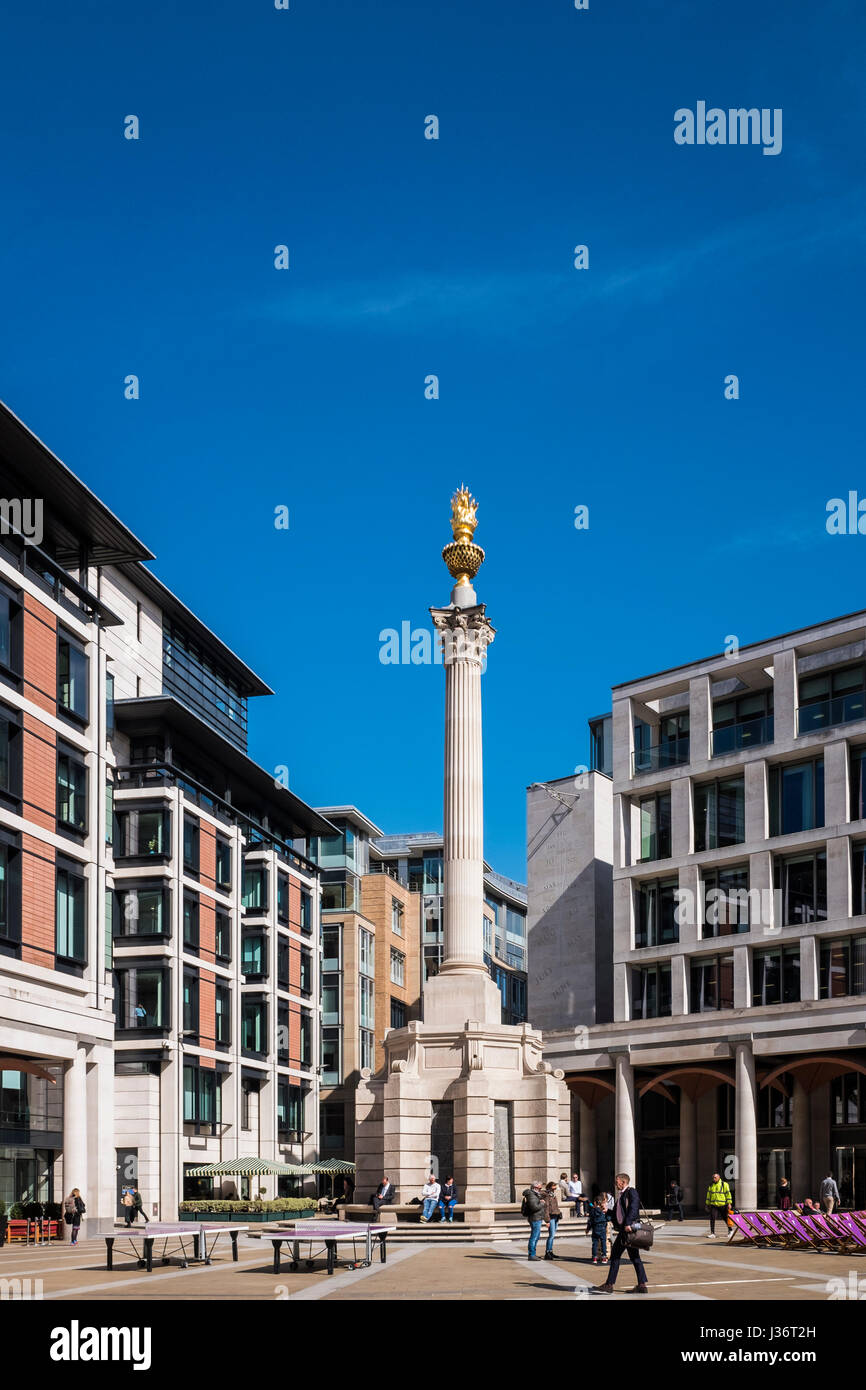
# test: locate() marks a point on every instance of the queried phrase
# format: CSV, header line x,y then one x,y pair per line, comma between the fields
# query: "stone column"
x,y
801,1143
746,1141
625,1118
688,1150
75,1127
588,1147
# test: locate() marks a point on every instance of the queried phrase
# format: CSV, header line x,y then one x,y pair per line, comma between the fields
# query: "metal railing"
x,y
824,714
661,755
749,733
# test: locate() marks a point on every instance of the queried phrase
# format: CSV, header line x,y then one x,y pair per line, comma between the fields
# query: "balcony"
x,y
750,733
662,755
825,714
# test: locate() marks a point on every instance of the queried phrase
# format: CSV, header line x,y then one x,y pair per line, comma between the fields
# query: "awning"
x,y
245,1168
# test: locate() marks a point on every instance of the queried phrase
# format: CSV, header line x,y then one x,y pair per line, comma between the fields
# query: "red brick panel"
x,y
294,967
37,902
206,929
39,773
295,903
40,655
207,1011
207,854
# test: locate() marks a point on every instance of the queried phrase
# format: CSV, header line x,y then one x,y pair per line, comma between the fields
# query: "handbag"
x,y
642,1238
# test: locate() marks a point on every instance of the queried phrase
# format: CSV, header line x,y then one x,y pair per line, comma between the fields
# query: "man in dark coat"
x,y
626,1215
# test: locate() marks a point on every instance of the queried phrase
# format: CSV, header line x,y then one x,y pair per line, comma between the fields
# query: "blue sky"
x,y
558,387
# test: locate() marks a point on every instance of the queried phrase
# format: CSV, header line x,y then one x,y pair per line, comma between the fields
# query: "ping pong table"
x,y
188,1240
327,1235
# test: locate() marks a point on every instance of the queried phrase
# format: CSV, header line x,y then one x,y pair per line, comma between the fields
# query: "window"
x,y
142,833
254,1026
202,684
10,754
366,1048
712,984
282,899
202,1096
109,704
289,1108
802,881
306,971
255,889
796,797
71,912
223,864
141,998
306,911
651,992
600,743
366,951
655,826
190,845
333,1125
726,900
10,634
655,919
109,812
843,967
720,814
848,1099
398,968
331,948
330,999
396,917
306,1038
283,1032
283,979
71,793
247,1090
10,889
835,697
367,1002
144,910
331,1058
398,1013
254,956
223,1007
776,976
190,1003
223,943
672,748
746,722
190,922
71,678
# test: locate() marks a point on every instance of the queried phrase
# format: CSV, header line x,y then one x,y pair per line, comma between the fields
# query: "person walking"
x,y
532,1207
675,1199
430,1195
718,1203
829,1194
127,1201
73,1210
383,1196
783,1195
574,1193
448,1201
552,1214
597,1221
626,1217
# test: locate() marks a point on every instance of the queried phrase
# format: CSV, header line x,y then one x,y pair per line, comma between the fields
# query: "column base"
x,y
455,996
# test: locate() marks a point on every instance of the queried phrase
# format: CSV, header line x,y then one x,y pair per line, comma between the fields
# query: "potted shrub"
x,y
253,1212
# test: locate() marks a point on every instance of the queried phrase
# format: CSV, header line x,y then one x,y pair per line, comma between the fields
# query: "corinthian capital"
x,y
465,633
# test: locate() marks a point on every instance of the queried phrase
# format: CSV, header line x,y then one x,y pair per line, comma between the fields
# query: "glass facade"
x,y
720,813
201,685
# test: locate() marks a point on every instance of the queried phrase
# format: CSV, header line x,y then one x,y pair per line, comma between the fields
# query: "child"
x,y
596,1226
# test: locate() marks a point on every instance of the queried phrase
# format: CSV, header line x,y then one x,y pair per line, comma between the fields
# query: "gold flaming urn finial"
x,y
463,557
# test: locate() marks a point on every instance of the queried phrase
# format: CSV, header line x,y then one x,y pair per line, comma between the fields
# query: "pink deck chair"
x,y
855,1233
742,1226
784,1235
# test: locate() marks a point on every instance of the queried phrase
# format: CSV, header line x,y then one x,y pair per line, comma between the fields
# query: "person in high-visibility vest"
x,y
719,1202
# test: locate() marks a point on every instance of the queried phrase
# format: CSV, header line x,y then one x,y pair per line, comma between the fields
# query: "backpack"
x,y
524,1206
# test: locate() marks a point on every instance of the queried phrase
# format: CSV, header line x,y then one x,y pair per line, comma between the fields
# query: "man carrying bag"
x,y
631,1236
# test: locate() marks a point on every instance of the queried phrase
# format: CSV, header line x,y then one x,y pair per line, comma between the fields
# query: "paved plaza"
x,y
684,1265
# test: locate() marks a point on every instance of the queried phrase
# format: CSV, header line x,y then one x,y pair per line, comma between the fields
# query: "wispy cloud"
x,y
513,300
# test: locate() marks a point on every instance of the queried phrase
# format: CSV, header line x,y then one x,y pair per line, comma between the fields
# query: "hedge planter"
x,y
245,1218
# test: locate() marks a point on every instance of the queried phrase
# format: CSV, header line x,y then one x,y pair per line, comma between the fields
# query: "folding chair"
x,y
743,1226
786,1236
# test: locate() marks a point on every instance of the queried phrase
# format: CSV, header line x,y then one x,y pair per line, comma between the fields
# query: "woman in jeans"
x,y
552,1214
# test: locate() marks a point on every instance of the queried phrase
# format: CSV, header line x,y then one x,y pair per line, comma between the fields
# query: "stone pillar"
x,y
588,1150
746,1141
801,1143
101,1171
75,1127
625,1118
170,1131
688,1150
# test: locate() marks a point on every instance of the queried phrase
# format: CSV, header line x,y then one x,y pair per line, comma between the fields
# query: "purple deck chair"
x,y
742,1226
855,1234
782,1233
826,1232
798,1224
763,1227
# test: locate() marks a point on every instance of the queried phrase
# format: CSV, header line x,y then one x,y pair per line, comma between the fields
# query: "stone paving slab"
x,y
681,1266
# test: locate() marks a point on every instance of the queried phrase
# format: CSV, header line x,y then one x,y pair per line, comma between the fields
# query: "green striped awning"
x,y
245,1168
332,1165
